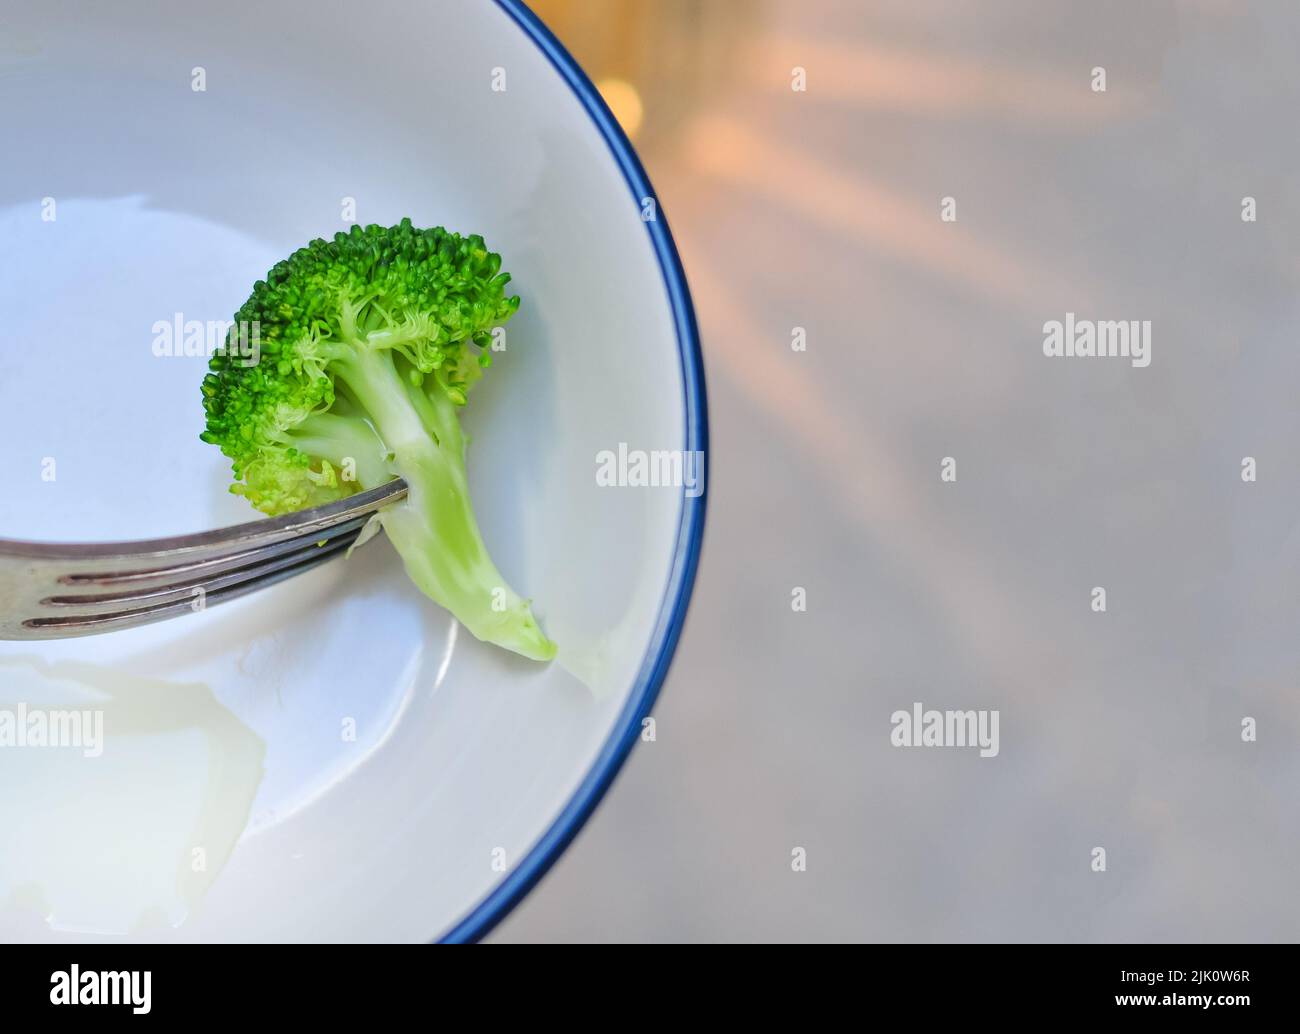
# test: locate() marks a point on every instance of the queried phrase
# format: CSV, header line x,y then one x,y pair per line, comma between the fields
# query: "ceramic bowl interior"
x,y
332,758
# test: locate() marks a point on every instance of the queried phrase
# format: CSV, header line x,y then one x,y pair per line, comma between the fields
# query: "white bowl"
x,y
328,759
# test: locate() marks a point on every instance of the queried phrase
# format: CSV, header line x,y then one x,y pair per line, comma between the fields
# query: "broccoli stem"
x,y
434,529
340,439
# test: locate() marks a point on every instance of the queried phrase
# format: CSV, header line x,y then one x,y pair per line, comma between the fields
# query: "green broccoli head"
x,y
345,368
427,295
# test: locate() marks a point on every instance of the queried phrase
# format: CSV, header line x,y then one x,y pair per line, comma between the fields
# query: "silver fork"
x,y
56,591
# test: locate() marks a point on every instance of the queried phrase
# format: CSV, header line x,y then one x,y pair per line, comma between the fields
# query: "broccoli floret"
x,y
369,345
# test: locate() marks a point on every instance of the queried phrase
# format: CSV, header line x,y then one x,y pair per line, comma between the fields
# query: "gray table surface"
x,y
1123,729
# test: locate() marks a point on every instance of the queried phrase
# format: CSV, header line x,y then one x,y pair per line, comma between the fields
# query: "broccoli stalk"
x,y
370,344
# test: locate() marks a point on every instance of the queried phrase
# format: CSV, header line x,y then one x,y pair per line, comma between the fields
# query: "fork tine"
x,y
150,580
259,563
159,557
193,571
225,588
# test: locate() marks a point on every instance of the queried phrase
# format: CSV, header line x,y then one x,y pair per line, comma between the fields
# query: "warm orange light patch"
x,y
624,101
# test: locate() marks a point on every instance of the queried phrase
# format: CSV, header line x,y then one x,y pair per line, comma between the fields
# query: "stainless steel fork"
x,y
55,590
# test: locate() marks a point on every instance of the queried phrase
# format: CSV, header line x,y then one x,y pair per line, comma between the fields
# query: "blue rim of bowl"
x,y
627,728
